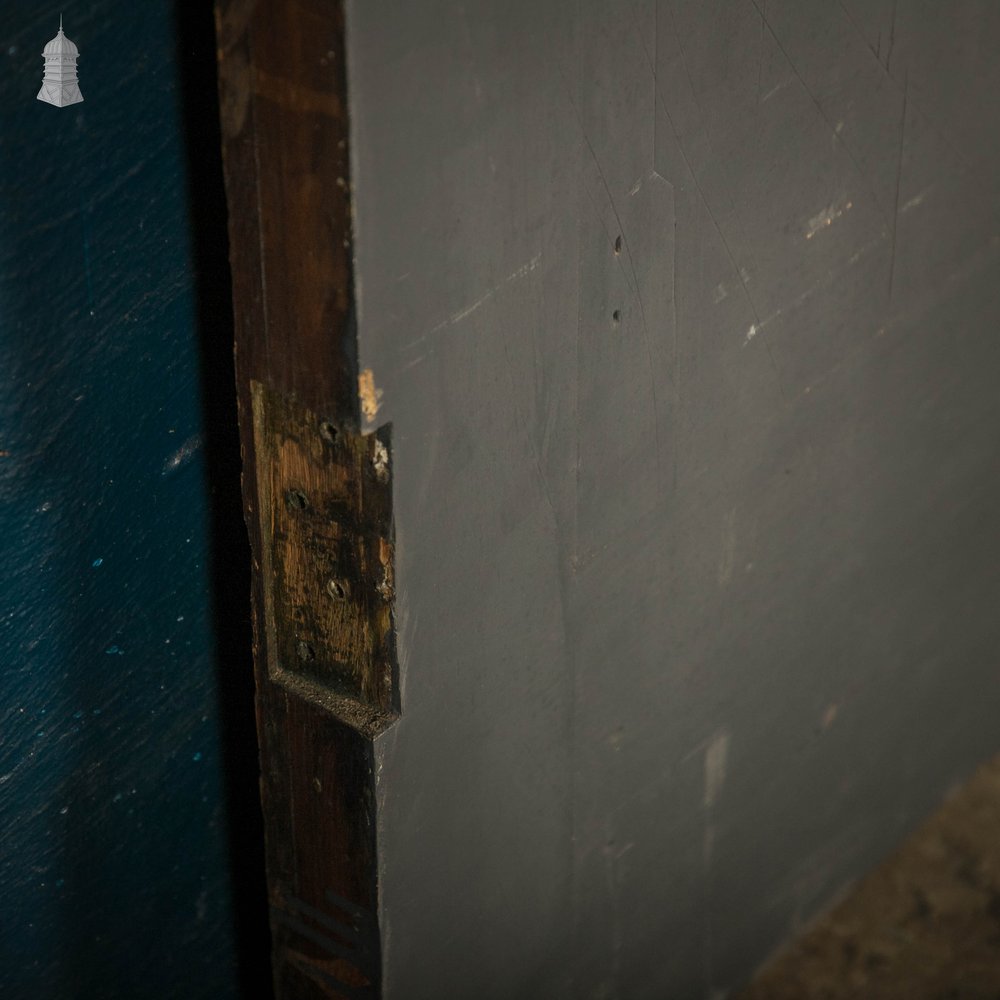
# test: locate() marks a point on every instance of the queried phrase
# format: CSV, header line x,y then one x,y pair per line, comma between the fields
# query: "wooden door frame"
x,y
283,106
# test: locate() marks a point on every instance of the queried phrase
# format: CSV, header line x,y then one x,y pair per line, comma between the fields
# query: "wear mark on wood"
x,y
294,96
234,92
326,524
348,961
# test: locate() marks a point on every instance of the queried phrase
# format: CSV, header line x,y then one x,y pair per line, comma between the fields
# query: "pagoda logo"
x,y
59,85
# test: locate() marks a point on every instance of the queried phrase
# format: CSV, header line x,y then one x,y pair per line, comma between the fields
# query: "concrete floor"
x,y
923,926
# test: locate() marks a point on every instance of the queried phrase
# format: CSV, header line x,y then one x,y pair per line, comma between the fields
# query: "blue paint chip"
x,y
96,563
197,757
114,651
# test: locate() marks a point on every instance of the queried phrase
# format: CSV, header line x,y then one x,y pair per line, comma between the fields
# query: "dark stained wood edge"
x,y
283,108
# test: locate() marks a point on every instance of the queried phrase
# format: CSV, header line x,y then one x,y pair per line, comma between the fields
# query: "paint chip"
x,y
825,218
371,397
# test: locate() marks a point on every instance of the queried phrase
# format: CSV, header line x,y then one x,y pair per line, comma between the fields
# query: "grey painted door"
x,y
685,316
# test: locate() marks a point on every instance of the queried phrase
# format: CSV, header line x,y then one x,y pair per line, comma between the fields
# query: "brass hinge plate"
x,y
325,507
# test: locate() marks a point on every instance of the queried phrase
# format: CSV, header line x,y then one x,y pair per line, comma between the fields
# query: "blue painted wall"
x,y
115,876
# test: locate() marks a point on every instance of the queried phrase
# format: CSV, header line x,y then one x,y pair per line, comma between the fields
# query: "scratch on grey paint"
x,y
740,272
726,565
892,38
834,131
760,49
529,440
940,129
821,220
470,309
613,873
716,762
703,198
899,172
824,282
917,199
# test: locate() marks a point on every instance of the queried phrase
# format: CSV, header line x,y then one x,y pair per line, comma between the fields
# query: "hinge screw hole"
x,y
337,589
304,651
296,500
328,432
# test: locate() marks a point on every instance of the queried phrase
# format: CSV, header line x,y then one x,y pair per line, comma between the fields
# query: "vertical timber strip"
x,y
282,80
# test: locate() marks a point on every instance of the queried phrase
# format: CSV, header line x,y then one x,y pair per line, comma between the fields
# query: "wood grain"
x,y
283,104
